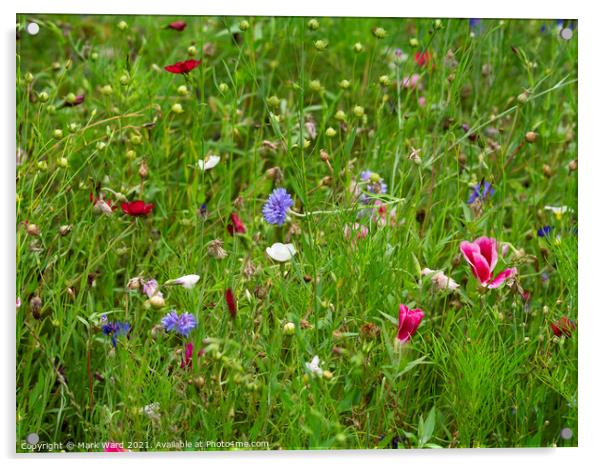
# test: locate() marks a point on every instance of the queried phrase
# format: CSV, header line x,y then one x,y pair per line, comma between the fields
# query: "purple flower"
x,y
274,210
544,231
114,329
375,182
151,288
181,324
481,191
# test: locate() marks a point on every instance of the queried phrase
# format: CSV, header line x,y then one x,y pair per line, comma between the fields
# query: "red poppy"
x,y
236,226
137,208
563,326
77,101
183,67
423,58
231,301
177,25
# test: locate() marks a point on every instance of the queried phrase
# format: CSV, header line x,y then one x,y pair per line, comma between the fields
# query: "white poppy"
x,y
313,367
281,252
209,162
187,281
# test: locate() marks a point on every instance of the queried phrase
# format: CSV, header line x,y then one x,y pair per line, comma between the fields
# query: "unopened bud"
x,y
157,301
358,47
289,328
122,25
177,108
244,25
530,136
143,169
379,33
313,24
65,229
33,230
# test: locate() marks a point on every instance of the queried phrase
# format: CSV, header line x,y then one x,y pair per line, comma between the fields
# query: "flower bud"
x,y
143,169
358,47
438,24
344,84
106,90
413,42
43,96
321,45
58,133
36,305
327,374
71,98
51,109
313,24
73,127
32,229
547,171
42,165
183,90
135,139
358,111
62,162
28,77
530,136
192,51
573,165
384,80
315,85
223,88
94,56
244,25
289,328
177,108
379,33
331,132
340,115
523,97
157,301
130,154
124,80
273,101
101,145
122,25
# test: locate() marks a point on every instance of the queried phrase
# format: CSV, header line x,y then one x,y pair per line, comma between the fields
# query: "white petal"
x,y
209,162
187,281
281,252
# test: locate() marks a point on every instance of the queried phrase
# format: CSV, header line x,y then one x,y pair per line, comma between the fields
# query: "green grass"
x,y
484,368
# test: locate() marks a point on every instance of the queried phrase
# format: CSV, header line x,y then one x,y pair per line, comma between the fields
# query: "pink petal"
x,y
468,250
502,277
488,247
481,269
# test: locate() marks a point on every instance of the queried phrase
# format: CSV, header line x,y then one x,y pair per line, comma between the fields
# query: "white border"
x,y
590,196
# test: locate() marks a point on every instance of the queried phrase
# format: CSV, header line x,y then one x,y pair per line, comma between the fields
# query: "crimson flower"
x,y
423,58
482,257
183,67
563,326
409,320
236,226
231,301
188,354
177,25
137,208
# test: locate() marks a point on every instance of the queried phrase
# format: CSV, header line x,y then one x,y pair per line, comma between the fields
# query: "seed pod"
x,y
65,229
573,165
36,305
547,171
143,170
32,229
157,301
530,136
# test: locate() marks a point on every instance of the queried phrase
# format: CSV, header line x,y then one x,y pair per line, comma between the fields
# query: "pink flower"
x,y
422,101
383,217
482,257
411,82
409,320
355,232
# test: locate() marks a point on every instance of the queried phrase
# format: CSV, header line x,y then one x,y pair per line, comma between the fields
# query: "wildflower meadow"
x,y
295,233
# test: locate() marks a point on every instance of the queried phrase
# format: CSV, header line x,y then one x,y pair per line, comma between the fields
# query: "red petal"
x,y
231,301
177,25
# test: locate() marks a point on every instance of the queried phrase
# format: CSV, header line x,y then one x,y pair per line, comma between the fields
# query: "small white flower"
x,y
558,211
152,411
187,281
281,252
209,162
440,280
313,367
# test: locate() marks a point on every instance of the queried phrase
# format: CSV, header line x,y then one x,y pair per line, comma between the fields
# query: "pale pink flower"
x,y
440,280
355,232
482,256
411,82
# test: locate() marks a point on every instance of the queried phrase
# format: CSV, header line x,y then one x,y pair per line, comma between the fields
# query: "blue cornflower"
x,y
544,231
274,210
474,22
114,329
181,324
481,191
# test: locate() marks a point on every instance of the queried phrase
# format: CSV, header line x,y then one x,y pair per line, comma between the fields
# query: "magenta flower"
x,y
409,320
482,257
